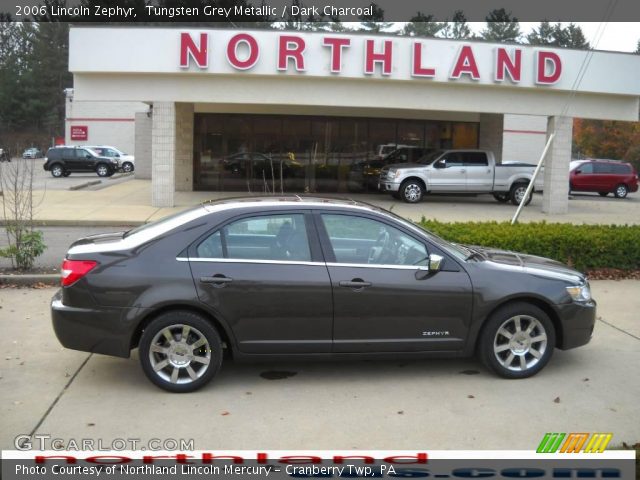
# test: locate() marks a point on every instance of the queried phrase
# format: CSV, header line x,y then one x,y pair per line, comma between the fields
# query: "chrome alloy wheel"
x,y
412,192
520,343
180,354
519,193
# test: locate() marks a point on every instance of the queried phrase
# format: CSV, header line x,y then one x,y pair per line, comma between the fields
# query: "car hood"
x,y
127,158
397,166
540,266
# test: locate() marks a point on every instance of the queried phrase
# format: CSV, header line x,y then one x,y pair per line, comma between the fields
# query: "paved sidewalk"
x,y
444,404
129,203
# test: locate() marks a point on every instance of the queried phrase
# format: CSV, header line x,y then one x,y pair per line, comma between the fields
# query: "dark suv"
x,y
604,176
62,161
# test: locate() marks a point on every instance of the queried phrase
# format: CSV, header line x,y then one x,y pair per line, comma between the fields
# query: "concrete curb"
x,y
30,279
115,176
85,185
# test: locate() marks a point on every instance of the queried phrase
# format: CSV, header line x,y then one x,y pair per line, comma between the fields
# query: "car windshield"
x,y
430,157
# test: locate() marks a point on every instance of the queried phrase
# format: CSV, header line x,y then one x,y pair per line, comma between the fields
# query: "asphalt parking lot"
x,y
439,404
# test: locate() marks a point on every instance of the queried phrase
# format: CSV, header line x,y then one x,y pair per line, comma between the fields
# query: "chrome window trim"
x,y
248,260
295,262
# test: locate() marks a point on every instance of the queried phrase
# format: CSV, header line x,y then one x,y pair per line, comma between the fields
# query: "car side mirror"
x,y
578,171
435,263
440,164
434,266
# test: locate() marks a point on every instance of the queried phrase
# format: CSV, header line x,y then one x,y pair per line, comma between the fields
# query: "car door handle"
x,y
356,284
216,280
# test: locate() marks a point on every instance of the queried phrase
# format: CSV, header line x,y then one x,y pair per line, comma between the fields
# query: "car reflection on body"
x,y
291,277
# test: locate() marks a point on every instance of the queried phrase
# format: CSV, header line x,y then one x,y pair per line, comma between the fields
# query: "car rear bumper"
x,y
107,330
577,321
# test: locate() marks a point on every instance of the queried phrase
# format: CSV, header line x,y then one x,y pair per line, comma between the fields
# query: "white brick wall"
x,y
109,123
556,168
163,148
524,138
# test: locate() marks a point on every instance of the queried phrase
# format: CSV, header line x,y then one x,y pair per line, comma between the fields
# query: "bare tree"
x,y
24,243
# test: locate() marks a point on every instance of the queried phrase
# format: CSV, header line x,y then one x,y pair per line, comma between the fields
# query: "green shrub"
x,y
585,247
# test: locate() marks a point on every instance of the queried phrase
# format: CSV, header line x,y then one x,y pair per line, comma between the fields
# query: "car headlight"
x,y
114,160
394,173
580,293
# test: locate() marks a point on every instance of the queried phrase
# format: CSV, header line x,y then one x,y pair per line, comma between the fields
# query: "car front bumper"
x,y
578,320
105,330
387,186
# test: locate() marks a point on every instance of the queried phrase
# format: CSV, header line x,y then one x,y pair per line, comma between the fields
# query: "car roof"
x,y
292,200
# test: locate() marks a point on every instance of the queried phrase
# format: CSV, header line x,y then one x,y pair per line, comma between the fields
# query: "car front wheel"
x,y
517,341
621,191
411,191
127,167
180,351
57,171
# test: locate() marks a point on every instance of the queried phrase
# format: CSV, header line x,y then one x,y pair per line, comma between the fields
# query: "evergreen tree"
x,y
501,27
574,37
422,25
375,22
543,35
638,48
457,28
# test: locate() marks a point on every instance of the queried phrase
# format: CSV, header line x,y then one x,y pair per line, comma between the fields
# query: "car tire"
x,y
529,347
411,191
517,192
127,167
103,170
57,170
603,194
171,364
501,197
621,191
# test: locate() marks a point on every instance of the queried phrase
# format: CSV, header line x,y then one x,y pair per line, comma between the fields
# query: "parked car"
x,y
62,161
32,152
293,277
604,177
126,162
386,148
4,156
459,171
366,174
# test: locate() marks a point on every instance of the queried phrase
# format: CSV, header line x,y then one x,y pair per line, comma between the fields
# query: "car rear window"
x,y
621,169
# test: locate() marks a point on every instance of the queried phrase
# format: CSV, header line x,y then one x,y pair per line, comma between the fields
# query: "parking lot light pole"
x,y
514,220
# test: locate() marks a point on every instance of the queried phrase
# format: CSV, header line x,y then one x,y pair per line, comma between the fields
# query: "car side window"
x,y
603,168
359,240
265,237
474,159
453,160
586,168
621,169
81,153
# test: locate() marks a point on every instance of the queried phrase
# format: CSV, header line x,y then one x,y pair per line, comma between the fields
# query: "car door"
x,y
448,174
583,178
85,160
385,300
265,276
479,175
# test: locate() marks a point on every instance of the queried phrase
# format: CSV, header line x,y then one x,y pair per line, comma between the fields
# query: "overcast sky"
x,y
618,36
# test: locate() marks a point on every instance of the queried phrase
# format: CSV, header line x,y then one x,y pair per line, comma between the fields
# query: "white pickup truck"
x,y
459,171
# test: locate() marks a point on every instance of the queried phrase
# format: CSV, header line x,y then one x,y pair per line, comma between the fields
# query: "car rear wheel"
x,y
501,197
411,191
621,191
180,351
103,170
518,192
517,341
57,171
127,167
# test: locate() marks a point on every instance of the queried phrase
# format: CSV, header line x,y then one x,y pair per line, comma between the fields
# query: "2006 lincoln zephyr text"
x,y
290,277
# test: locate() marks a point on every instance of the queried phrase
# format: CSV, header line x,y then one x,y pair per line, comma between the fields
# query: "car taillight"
x,y
74,270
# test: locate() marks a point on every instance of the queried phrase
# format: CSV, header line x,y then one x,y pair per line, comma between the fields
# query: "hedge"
x,y
585,247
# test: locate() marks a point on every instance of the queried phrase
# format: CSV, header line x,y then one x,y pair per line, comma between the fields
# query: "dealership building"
x,y
268,111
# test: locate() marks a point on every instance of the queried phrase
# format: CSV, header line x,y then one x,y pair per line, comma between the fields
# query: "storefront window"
x,y
282,153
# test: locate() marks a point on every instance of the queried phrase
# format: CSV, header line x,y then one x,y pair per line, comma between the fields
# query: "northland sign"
x,y
242,52
202,53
